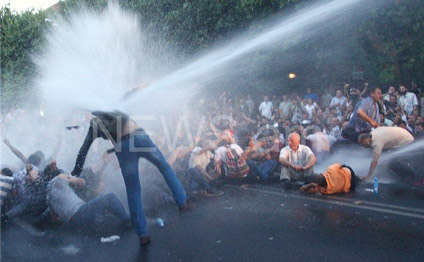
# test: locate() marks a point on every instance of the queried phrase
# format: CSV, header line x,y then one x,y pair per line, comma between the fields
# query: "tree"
x,y
21,36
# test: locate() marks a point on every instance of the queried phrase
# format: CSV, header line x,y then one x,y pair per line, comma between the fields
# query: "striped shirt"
x,y
6,183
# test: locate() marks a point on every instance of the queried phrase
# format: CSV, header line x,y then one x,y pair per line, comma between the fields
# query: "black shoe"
x,y
286,184
188,205
144,240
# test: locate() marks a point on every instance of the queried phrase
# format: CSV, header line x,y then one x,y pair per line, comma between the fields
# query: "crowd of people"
x,y
245,140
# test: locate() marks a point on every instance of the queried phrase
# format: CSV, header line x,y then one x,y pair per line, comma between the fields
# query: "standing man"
x,y
366,116
130,143
266,108
310,95
285,107
383,138
407,100
297,161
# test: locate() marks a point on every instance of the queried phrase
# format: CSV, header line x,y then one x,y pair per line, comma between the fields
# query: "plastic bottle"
x,y
375,188
160,222
109,239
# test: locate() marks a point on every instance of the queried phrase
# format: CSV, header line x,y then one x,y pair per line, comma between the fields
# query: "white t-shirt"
x,y
321,142
200,160
221,152
310,109
341,100
266,109
62,199
300,157
388,137
336,132
409,100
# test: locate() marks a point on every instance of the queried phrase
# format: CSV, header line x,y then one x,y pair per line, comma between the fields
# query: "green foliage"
x,y
387,45
392,39
21,36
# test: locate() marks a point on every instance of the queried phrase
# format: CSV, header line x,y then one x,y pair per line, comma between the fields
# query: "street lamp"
x,y
292,75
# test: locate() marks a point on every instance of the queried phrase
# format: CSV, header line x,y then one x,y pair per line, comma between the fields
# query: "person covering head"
x,y
337,178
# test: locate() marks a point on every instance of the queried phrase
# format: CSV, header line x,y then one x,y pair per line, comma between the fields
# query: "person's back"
x,y
62,199
386,137
338,180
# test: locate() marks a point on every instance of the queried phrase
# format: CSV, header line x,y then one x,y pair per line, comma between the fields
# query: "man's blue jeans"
x,y
98,206
195,180
133,146
263,170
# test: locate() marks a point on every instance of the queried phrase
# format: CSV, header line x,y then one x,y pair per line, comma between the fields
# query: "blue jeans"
x,y
195,180
133,146
263,170
98,206
36,203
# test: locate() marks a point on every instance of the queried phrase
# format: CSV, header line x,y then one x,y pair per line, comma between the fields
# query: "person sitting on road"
x,y
320,143
31,186
72,210
297,161
230,162
196,176
6,183
337,178
260,159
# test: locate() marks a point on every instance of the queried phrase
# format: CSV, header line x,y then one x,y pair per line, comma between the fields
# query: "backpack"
x,y
237,166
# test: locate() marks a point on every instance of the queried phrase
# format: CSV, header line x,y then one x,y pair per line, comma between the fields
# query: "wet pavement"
x,y
253,223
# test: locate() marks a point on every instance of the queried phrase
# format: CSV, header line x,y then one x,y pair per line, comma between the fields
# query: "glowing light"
x,y
292,75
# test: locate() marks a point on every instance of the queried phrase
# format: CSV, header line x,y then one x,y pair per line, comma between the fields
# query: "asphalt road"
x,y
253,223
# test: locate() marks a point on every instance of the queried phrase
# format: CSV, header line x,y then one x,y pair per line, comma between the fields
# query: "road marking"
x,y
417,210
344,203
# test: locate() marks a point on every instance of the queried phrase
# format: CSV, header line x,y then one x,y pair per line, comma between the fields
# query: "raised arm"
x,y
82,154
15,151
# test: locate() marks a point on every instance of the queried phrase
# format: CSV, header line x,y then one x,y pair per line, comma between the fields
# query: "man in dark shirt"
x,y
392,107
365,116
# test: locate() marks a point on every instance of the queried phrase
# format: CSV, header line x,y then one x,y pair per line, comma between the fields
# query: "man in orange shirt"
x,y
337,178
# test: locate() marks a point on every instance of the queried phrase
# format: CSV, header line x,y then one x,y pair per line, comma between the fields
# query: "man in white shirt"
x,y
407,100
335,130
338,101
196,175
285,107
383,138
266,108
320,144
297,161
